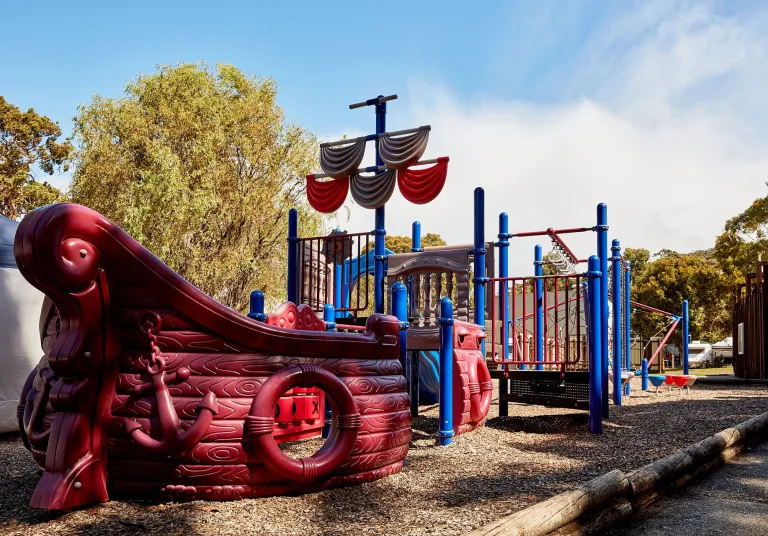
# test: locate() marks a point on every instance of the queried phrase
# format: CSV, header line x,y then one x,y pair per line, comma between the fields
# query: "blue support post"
x,y
503,245
380,229
479,255
415,248
338,281
644,374
616,285
416,237
293,256
685,336
400,310
602,253
445,417
595,347
329,316
627,324
538,298
256,309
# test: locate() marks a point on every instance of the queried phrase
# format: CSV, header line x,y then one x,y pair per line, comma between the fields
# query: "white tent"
x,y
20,306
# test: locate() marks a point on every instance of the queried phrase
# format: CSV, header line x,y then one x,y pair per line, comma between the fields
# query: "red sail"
x,y
420,186
327,196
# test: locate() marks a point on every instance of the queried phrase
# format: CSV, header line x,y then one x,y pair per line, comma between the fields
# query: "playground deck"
x,y
496,470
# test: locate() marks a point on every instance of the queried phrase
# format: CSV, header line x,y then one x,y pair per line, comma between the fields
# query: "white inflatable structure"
x,y
20,307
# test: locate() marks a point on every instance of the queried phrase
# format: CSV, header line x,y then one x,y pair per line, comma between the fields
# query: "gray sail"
x,y
372,191
401,151
342,160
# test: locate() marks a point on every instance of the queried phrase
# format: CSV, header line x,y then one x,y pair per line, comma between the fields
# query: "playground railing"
x,y
330,271
543,327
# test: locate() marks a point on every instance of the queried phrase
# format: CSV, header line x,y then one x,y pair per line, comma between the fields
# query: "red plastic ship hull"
x,y
150,386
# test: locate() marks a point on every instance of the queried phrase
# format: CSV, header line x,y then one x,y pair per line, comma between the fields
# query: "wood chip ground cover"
x,y
489,473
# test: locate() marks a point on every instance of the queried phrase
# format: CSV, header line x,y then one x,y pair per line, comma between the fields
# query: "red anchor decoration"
x,y
173,440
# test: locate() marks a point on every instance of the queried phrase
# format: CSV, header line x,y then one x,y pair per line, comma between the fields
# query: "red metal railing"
x,y
563,325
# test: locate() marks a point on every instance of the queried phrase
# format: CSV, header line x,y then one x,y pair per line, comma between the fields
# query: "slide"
x,y
429,376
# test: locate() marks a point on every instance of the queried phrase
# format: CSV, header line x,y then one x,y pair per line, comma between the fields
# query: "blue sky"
x,y
322,57
655,107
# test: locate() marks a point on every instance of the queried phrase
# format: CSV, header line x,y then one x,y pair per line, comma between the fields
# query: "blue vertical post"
x,y
379,229
293,256
338,278
538,298
416,237
329,316
595,347
503,245
627,322
445,417
616,284
479,255
644,374
602,253
400,310
685,336
415,248
256,309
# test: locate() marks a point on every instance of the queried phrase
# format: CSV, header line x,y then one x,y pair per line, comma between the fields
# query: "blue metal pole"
x,y
595,347
627,324
415,248
503,245
256,309
602,253
685,336
293,256
416,237
479,254
400,310
445,432
380,229
617,318
538,317
338,279
329,316
644,374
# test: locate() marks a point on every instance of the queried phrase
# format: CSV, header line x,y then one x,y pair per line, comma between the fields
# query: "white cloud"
x,y
671,135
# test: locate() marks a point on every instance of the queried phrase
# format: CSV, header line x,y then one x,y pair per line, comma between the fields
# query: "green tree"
x,y
744,239
402,244
201,167
639,259
28,140
670,279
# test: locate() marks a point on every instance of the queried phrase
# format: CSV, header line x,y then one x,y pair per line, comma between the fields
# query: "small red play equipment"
x,y
681,381
152,388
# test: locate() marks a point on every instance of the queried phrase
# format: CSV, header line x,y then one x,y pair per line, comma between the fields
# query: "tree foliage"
x,y
673,277
201,167
744,240
402,244
28,140
639,259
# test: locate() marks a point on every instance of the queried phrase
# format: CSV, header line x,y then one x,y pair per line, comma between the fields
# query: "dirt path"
x,y
734,501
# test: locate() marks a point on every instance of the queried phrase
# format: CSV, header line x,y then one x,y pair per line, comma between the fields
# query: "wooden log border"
x,y
615,496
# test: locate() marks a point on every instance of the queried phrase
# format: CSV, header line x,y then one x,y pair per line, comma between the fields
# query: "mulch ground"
x,y
511,463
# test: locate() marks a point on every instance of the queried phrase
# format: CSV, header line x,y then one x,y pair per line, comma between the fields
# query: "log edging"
x,y
615,496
